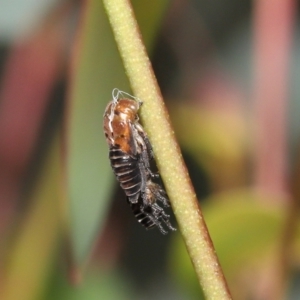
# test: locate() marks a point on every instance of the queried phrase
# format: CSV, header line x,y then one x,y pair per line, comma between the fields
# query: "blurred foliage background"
x,y
229,74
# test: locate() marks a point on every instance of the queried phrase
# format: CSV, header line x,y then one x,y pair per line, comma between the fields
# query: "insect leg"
x,y
143,175
146,153
159,213
148,210
144,136
161,195
146,162
157,193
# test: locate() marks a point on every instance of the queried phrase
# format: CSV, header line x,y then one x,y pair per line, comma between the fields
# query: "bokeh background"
x,y
229,73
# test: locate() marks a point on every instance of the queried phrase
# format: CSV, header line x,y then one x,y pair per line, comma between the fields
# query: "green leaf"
x,y
97,285
97,69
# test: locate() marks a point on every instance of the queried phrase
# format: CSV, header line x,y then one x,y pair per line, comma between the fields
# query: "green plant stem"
x,y
168,156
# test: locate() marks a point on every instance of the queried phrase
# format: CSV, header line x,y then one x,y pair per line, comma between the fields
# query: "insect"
x,y
130,153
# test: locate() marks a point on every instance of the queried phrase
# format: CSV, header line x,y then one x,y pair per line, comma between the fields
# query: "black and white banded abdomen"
x,y
142,216
151,216
127,171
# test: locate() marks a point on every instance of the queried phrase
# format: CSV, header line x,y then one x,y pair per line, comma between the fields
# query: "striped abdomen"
x,y
141,216
127,171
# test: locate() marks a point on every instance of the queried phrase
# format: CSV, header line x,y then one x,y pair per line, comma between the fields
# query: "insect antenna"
x,y
117,94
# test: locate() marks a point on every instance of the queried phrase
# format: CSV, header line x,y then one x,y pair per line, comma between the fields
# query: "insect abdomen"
x,y
127,172
142,217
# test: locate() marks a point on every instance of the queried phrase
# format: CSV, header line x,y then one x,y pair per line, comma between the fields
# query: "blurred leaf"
x,y
97,69
29,76
213,134
216,139
149,15
108,286
32,254
243,232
